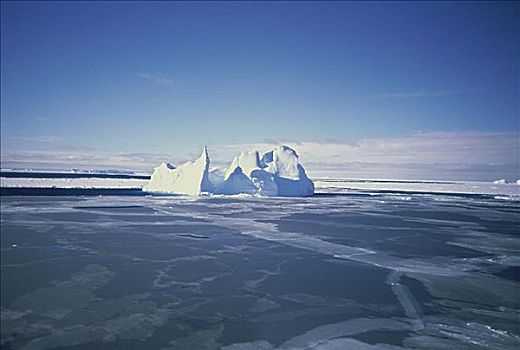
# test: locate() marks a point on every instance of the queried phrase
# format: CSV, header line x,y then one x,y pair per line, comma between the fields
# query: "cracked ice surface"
x,y
379,271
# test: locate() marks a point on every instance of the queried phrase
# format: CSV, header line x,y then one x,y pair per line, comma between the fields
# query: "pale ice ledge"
x,y
500,182
276,173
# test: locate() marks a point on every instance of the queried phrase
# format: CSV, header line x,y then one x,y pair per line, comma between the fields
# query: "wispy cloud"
x,y
157,79
82,159
474,147
34,139
470,155
420,93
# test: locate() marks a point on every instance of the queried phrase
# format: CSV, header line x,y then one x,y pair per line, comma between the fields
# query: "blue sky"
x,y
121,78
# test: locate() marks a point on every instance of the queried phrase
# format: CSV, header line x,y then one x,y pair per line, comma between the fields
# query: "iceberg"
x,y
275,173
500,182
190,178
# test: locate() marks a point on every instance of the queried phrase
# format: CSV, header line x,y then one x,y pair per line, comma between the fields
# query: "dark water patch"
x,y
193,236
173,229
315,225
404,238
162,336
511,273
23,236
238,215
117,344
53,175
261,255
316,217
511,210
230,240
419,291
119,209
434,215
28,255
131,278
502,226
17,281
346,280
354,194
234,306
36,202
55,191
71,216
275,332
495,205
113,207
229,284
426,246
134,246
152,218
196,270
382,337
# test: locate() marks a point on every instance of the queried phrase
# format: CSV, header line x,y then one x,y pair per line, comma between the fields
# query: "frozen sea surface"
x,y
332,271
14,182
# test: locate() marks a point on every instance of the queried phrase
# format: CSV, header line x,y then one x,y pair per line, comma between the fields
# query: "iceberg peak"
x,y
236,183
189,178
204,155
247,161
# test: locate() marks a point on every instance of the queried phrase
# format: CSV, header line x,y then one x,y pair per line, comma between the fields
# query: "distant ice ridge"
x,y
275,173
500,182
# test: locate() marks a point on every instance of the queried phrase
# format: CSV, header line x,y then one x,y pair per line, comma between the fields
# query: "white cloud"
x,y
35,138
79,158
157,79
